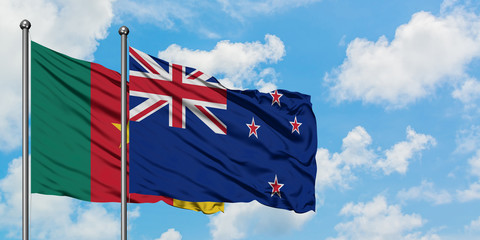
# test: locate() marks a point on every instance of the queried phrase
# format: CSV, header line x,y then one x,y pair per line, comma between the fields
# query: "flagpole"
x,y
25,26
123,31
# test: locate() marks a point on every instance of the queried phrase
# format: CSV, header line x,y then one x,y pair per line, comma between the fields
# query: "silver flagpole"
x,y
123,31
25,26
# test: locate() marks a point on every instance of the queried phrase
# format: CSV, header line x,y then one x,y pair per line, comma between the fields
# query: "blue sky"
x,y
395,88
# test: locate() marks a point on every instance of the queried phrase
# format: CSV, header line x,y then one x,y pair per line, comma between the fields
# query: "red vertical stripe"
x,y
177,104
105,137
105,110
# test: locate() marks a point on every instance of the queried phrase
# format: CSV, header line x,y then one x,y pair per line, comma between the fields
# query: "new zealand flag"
x,y
194,140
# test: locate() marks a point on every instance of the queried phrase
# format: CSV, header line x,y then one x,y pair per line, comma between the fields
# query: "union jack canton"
x,y
178,87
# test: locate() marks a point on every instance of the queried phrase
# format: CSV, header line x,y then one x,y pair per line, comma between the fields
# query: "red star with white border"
x,y
296,125
276,97
276,187
253,128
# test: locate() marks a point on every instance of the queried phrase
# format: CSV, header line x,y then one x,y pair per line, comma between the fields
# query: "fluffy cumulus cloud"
x,y
425,53
170,234
52,217
241,220
242,9
238,63
337,168
73,27
426,192
396,158
379,220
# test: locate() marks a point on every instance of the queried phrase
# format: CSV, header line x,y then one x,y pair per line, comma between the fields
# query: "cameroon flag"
x,y
75,132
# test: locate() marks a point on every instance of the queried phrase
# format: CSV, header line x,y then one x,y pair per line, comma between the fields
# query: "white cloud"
x,y
397,157
468,93
337,168
331,171
447,5
241,219
170,234
163,13
238,63
425,192
474,226
52,217
470,194
72,27
168,14
132,214
468,140
171,14
378,220
474,163
11,198
342,43
473,192
355,150
91,222
242,9
426,52
10,113
420,236
268,78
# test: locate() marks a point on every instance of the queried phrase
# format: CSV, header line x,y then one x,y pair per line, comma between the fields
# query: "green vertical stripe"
x,y
60,124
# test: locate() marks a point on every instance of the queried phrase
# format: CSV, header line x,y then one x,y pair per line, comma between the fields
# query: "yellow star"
x,y
119,127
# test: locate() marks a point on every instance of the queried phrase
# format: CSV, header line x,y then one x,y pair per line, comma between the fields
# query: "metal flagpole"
x,y
25,26
123,31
